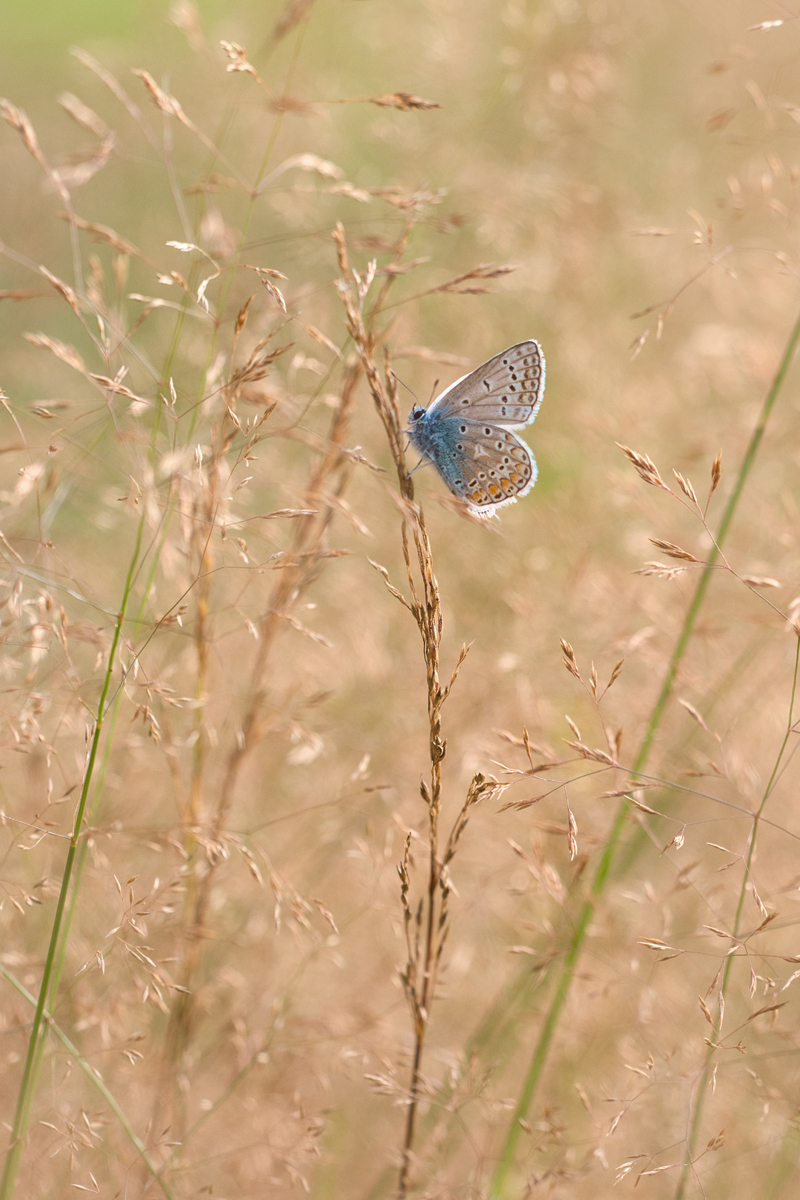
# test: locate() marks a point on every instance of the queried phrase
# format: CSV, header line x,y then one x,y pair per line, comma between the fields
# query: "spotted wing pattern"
x,y
507,390
487,467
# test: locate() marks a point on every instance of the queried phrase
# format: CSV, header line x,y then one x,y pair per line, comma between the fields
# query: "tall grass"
x,y
287,904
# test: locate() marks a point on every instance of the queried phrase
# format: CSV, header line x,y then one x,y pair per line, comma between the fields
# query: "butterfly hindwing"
x,y
484,465
507,390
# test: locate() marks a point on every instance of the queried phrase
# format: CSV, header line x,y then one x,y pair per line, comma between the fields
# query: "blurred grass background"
x,y
611,152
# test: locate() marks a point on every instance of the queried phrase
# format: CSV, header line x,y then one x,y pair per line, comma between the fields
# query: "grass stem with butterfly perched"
x,y
426,922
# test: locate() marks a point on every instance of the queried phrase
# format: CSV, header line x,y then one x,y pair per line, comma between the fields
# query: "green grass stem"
x,y
95,1079
36,1041
702,1087
533,1075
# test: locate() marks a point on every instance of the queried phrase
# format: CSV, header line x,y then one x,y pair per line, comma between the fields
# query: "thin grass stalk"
x,y
155,559
427,927
493,1036
178,1028
165,375
36,1040
73,900
292,583
81,862
431,627
702,1087
600,878
243,1073
94,1079
83,848
309,531
179,1019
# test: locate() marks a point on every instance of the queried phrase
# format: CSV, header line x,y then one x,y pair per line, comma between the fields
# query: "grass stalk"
x,y
600,878
94,1078
115,707
181,1010
36,1040
427,925
702,1087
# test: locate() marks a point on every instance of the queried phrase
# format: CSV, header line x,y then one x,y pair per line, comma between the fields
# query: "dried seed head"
x,y
761,581
705,1011
102,233
686,487
692,711
647,469
83,115
241,319
62,288
238,58
638,343
482,271
615,674
716,474
660,570
168,104
402,100
677,841
572,835
18,120
674,551
570,661
341,249
67,354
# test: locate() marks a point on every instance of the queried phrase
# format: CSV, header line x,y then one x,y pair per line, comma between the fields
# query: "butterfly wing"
x,y
507,390
484,465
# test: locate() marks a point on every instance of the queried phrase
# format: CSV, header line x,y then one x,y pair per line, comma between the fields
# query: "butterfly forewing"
x,y
507,390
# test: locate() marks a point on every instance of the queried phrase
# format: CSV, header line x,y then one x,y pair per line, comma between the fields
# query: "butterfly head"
x,y
416,414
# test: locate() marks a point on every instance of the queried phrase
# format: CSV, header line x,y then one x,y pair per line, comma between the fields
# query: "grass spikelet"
x,y
645,467
686,487
570,661
716,474
675,551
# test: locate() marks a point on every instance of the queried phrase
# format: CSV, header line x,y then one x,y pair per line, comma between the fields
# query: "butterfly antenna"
x,y
405,385
433,390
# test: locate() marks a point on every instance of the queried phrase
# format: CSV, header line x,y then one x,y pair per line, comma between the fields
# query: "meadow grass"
x,y
289,906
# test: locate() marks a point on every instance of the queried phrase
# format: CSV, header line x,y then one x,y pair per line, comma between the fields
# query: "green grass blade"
x,y
36,1041
96,1081
702,1087
534,1073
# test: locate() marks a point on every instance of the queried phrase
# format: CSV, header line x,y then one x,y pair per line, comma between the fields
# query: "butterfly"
x,y
466,430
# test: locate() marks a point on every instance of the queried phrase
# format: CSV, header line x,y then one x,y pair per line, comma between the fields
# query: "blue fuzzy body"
x,y
436,439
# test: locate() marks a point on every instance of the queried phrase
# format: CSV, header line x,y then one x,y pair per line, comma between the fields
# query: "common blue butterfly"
x,y
466,430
